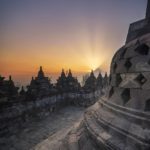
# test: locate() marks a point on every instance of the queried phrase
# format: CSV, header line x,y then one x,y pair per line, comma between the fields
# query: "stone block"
x,y
135,101
117,56
116,97
129,80
131,52
146,85
121,67
140,64
113,80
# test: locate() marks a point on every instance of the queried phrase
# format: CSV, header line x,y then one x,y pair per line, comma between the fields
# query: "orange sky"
x,y
56,35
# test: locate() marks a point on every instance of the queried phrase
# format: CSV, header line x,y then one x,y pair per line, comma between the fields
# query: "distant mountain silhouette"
x,y
98,70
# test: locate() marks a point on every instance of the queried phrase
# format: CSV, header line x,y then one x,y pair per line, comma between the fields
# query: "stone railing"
x,y
14,115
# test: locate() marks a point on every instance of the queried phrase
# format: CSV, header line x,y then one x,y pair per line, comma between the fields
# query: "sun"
x,y
94,62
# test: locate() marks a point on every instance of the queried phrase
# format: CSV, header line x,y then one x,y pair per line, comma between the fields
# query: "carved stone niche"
x,y
118,79
142,49
125,96
128,64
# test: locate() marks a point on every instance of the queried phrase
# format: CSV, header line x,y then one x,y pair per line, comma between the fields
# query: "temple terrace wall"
x,y
15,114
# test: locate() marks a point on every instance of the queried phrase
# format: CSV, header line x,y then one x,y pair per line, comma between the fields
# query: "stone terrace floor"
x,y
45,134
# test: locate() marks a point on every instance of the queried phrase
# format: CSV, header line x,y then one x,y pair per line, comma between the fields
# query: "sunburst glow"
x,y
81,35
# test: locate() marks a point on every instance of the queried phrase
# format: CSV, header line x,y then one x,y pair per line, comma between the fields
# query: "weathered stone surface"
x,y
146,85
120,66
42,98
46,133
129,80
120,119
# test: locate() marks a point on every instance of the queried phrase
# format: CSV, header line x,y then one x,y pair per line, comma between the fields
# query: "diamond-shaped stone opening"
x,y
142,49
115,67
111,92
123,53
140,79
147,105
128,64
125,96
118,79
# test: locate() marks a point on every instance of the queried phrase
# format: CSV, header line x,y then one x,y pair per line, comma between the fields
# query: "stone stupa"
x,y
121,119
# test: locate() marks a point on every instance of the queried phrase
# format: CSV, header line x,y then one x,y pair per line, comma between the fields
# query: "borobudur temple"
x,y
120,120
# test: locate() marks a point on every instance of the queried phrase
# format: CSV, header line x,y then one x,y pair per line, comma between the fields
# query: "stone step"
x,y
73,142
113,131
121,124
138,114
78,139
97,133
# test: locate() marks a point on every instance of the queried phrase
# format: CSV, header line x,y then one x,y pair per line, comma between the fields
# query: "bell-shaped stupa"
x,y
121,119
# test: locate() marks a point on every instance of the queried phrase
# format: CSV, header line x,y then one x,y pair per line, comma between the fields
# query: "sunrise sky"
x,y
77,34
